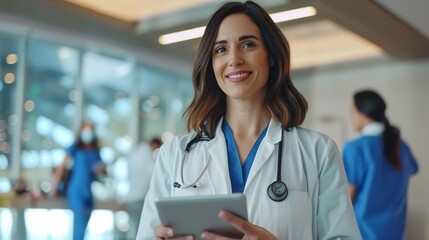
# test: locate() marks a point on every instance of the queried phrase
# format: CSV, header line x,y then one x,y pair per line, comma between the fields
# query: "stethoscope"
x,y
277,191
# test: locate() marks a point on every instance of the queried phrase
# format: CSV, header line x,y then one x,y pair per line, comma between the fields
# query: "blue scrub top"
x,y
85,160
381,191
237,172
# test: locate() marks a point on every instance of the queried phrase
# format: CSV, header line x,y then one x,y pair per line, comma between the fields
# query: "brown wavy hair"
x,y
282,99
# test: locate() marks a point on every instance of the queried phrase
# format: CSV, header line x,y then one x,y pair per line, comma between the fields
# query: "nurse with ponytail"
x,y
378,165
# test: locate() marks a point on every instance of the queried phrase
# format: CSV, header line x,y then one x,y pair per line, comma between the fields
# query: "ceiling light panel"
x,y
199,31
324,42
134,10
293,14
181,36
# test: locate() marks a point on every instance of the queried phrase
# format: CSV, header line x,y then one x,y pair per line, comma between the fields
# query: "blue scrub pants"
x,y
81,207
80,221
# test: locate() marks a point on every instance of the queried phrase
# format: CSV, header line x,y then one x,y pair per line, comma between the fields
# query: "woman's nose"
x,y
236,58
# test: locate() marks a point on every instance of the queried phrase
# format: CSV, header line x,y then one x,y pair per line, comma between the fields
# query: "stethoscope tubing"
x,y
195,140
277,191
183,185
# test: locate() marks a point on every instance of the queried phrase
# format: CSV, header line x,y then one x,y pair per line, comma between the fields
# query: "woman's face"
x,y
240,58
87,127
87,134
357,118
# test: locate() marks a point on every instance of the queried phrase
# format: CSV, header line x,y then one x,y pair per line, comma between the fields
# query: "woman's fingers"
x,y
249,230
163,232
166,233
237,222
240,224
212,236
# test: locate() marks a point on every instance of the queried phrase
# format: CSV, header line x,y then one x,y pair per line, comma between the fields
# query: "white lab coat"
x,y
317,207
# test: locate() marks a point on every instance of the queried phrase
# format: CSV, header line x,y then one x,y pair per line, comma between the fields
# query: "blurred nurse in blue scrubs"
x,y
379,165
84,156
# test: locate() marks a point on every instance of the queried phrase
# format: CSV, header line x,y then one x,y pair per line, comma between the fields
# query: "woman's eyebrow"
x,y
241,38
220,42
244,37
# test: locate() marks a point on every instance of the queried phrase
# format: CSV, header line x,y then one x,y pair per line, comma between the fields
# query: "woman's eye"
x,y
249,45
220,50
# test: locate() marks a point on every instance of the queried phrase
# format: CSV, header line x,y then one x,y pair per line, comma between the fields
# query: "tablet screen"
x,y
196,214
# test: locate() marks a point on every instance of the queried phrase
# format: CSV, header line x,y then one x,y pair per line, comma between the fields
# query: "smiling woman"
x,y
244,131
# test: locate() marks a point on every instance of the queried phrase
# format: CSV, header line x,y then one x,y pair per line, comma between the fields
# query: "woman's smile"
x,y
238,76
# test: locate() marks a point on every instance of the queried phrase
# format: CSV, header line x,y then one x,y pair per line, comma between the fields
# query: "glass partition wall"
x,y
163,99
9,49
47,88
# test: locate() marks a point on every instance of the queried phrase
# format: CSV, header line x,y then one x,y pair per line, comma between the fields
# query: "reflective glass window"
x,y
49,103
9,60
107,84
164,97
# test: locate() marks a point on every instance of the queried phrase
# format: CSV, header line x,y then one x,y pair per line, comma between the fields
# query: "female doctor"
x,y
243,129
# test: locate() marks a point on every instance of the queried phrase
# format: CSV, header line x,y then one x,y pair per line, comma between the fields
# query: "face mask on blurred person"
x,y
87,136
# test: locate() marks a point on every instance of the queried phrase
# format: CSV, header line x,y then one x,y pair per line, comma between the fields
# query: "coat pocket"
x,y
288,219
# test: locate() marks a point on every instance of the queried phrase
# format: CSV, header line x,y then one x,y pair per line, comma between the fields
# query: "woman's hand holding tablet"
x,y
197,214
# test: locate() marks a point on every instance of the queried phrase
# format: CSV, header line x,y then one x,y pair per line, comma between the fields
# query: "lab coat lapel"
x,y
218,153
266,150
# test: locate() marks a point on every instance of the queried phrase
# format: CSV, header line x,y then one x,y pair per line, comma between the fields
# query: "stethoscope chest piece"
x,y
277,191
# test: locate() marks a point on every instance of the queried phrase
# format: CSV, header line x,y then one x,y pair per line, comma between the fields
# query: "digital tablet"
x,y
196,214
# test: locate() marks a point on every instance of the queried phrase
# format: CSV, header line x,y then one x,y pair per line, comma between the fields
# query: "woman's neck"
x,y
248,121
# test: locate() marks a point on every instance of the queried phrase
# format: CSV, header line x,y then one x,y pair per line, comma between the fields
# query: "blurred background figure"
x,y
84,160
379,165
141,161
155,144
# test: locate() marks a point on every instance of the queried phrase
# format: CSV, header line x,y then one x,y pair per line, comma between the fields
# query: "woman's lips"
x,y
238,76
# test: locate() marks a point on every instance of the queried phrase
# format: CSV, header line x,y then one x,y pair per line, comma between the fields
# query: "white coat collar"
x,y
274,132
373,129
266,149
218,152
